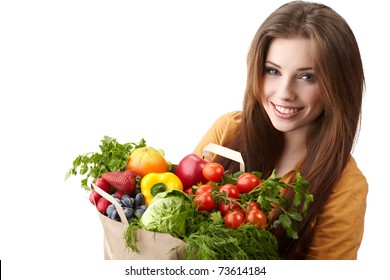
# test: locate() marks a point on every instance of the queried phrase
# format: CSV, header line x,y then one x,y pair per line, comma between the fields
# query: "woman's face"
x,y
291,96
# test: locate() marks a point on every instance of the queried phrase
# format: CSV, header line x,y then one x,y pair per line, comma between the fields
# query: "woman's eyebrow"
x,y
299,69
305,68
274,64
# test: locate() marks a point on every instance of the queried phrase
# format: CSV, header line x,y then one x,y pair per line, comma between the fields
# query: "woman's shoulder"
x,y
222,131
352,178
227,123
341,222
352,169
230,117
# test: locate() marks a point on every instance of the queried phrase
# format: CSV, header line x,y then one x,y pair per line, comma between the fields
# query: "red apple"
x,y
189,170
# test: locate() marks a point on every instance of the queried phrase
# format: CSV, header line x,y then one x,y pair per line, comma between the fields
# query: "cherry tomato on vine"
x,y
256,217
225,208
205,201
234,219
247,182
213,171
252,205
204,188
189,191
231,190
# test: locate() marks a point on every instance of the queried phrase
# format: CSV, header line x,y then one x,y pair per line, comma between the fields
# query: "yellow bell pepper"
x,y
154,183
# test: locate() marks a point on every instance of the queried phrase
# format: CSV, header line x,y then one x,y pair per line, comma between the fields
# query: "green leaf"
x,y
308,199
265,204
297,199
68,174
216,217
285,221
114,163
228,179
258,174
83,169
292,233
238,174
295,215
84,184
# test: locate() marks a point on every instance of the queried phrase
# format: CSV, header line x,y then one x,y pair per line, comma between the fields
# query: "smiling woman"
x,y
291,95
74,71
301,112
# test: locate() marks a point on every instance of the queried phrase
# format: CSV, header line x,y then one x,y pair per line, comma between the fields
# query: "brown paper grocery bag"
x,y
152,245
212,148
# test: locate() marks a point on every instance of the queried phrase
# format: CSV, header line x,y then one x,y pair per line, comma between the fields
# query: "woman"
x,y
301,112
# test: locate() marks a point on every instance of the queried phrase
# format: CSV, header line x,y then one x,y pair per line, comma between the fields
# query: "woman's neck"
x,y
293,150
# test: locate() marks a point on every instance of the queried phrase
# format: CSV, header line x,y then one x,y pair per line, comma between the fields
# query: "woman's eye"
x,y
307,77
271,71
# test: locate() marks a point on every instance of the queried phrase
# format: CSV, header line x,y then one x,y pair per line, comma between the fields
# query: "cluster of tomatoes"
x,y
226,197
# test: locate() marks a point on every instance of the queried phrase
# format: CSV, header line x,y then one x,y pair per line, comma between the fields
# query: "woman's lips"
x,y
286,112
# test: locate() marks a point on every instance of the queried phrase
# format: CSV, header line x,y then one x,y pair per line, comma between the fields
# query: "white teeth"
x,y
285,110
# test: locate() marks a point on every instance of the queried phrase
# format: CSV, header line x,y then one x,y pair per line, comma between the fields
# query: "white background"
x,y
74,71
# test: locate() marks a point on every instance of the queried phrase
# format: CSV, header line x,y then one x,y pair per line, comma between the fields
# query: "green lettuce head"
x,y
170,212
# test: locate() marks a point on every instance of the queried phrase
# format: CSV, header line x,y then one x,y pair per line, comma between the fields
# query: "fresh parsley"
x,y
113,156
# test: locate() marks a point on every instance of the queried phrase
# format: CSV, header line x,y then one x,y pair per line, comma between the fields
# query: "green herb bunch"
x,y
214,241
113,157
270,197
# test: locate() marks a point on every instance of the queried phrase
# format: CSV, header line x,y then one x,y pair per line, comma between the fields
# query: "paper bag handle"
x,y
225,152
118,208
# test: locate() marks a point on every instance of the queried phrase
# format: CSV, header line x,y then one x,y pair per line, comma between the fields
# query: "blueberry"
x,y
143,207
127,201
138,200
114,215
109,210
119,201
139,212
128,212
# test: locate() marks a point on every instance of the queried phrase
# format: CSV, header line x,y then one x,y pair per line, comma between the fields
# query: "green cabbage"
x,y
171,212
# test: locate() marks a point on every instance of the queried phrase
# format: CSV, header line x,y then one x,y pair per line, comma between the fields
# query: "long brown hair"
x,y
339,73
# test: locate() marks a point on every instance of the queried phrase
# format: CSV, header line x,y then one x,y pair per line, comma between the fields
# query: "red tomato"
x,y
224,208
189,191
256,217
205,202
252,205
231,190
213,171
234,219
247,182
204,188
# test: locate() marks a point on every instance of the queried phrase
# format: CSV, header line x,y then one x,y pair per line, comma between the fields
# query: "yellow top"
x,y
338,229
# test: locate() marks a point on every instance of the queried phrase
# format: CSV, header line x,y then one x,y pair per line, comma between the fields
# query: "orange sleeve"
x,y
338,229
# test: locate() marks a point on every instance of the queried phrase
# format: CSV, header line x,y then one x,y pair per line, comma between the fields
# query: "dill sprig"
x,y
214,241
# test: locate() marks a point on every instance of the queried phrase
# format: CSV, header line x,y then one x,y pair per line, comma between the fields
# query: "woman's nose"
x,y
286,89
